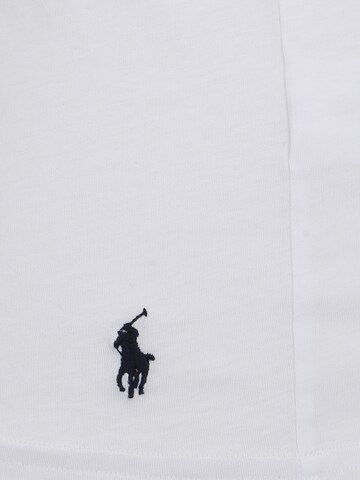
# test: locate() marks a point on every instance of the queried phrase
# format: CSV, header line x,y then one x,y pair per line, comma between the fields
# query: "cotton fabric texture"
x,y
199,158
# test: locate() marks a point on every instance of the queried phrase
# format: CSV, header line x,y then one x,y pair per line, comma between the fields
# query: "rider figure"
x,y
133,361
127,340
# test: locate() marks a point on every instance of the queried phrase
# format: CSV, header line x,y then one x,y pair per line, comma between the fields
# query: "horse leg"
x,y
144,375
119,379
131,383
136,378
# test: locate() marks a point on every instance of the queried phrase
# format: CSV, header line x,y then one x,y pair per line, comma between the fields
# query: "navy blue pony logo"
x,y
133,361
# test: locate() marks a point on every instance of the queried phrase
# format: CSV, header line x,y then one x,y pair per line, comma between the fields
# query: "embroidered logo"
x,y
133,361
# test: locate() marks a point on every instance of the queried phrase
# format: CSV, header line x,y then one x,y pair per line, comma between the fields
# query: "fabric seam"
x,y
126,475
290,225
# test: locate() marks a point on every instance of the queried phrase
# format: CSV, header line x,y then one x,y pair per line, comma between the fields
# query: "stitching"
x,y
341,471
290,223
135,476
88,449
89,471
338,447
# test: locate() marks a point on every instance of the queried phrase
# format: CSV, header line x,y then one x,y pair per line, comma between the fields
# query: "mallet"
x,y
142,314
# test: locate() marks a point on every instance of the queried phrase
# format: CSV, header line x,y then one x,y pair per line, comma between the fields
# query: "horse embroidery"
x,y
133,361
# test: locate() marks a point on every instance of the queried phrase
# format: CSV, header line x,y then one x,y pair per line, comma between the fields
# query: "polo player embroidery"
x,y
133,361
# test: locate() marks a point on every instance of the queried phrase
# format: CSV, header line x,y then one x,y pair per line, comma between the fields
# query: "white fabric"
x,y
321,42
199,158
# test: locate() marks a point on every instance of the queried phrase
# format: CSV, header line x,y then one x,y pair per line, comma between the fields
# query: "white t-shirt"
x,y
201,159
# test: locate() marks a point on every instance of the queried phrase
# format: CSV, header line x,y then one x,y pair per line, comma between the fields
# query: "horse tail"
x,y
150,356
